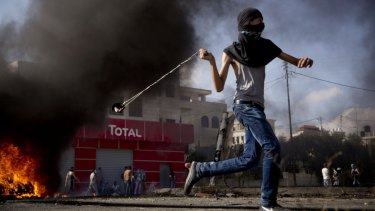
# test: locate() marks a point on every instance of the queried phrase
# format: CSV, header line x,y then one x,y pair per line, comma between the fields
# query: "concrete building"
x,y
239,132
369,142
307,129
358,120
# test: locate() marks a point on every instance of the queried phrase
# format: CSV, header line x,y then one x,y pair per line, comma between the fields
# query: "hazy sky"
x,y
13,10
337,34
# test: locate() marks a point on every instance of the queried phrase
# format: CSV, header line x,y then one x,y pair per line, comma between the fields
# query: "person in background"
x,y
93,186
172,179
115,189
336,176
355,174
138,182
143,182
123,181
128,177
100,180
325,174
70,178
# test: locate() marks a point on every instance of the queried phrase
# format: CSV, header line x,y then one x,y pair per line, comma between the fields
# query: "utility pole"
x,y
321,123
285,66
341,123
294,160
356,119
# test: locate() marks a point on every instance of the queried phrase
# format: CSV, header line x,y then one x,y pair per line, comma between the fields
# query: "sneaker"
x,y
264,208
191,179
273,208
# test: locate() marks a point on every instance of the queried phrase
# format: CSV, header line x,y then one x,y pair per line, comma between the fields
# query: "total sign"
x,y
131,130
124,132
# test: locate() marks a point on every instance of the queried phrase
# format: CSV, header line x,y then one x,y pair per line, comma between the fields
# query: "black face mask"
x,y
255,28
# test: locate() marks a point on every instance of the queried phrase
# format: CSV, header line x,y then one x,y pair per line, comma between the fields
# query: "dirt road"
x,y
303,198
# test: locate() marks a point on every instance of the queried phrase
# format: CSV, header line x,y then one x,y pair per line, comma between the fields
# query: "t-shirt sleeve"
x,y
253,53
271,50
229,50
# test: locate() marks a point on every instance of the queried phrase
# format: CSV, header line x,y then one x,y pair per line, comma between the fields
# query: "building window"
x,y
202,98
186,98
204,121
136,108
169,90
170,121
215,122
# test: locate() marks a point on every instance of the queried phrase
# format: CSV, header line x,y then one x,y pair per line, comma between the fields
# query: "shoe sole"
x,y
188,181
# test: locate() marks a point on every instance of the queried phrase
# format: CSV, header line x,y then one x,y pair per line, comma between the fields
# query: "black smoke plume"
x,y
80,54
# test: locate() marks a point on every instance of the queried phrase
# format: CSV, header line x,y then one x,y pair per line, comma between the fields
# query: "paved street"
x,y
308,198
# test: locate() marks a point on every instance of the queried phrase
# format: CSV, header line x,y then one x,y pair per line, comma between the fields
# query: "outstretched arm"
x,y
218,79
300,62
76,178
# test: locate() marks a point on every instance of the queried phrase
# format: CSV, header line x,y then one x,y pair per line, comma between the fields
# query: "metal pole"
x,y
287,89
321,123
290,120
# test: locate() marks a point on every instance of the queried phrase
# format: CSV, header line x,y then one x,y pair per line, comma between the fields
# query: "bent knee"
x,y
272,151
249,161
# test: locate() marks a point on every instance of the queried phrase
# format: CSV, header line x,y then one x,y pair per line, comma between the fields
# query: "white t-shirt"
x,y
325,173
92,178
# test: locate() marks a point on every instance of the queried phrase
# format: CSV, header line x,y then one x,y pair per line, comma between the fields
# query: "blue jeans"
x,y
137,189
258,136
355,181
128,187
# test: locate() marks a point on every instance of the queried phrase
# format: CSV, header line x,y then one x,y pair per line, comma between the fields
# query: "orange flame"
x,y
18,176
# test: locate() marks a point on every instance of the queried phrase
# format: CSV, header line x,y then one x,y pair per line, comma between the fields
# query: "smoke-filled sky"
x,y
338,35
80,55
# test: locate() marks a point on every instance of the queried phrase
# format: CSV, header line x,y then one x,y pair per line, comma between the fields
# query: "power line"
x,y
310,120
276,79
340,84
